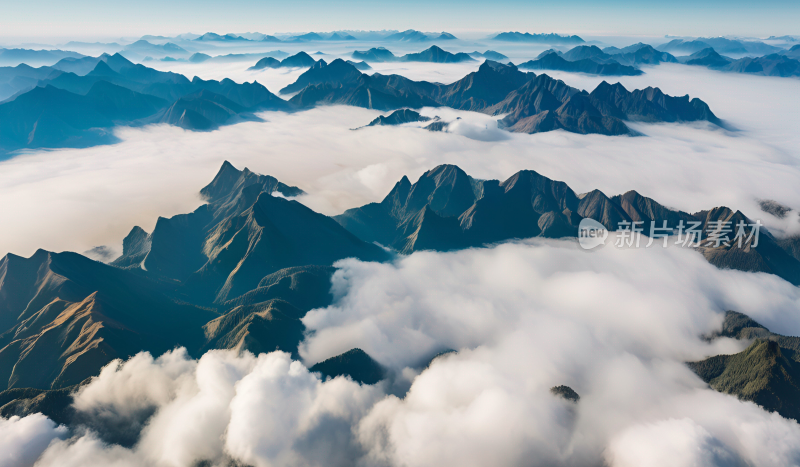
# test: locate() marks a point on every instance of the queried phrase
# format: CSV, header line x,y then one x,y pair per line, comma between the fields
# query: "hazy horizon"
x,y
46,20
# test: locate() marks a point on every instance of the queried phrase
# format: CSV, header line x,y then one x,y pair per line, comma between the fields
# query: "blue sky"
x,y
116,18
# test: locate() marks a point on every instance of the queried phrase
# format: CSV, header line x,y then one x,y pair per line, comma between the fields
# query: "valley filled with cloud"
x,y
309,285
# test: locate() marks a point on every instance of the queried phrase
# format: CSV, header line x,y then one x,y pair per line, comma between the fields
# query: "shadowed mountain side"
x,y
299,60
338,71
640,54
489,55
55,404
266,62
304,287
375,54
399,117
361,66
447,209
201,111
435,54
768,65
767,256
175,248
260,328
65,316
483,88
273,234
553,61
707,57
532,103
52,117
68,110
354,363
225,248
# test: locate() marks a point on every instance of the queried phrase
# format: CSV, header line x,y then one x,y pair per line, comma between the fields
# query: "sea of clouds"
x,y
614,324
94,196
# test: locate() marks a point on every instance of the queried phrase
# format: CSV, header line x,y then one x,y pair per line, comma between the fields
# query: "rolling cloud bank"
x,y
518,327
104,191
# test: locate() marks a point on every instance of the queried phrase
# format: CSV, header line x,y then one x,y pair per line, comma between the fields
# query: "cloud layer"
x,y
616,325
78,199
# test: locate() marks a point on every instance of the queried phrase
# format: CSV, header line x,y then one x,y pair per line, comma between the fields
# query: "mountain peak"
x,y
223,182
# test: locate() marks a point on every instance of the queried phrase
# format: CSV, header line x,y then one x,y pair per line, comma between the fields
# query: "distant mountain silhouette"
x,y
338,71
537,38
299,60
490,55
361,66
210,36
266,62
553,61
533,103
768,65
720,44
593,60
143,48
14,57
341,37
24,77
398,117
68,110
308,37
412,35
199,57
639,54
437,55
201,111
67,116
79,66
375,54
707,57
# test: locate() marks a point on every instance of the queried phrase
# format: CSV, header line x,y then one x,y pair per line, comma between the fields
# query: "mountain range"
x,y
592,60
237,273
298,60
537,38
412,35
768,65
490,55
532,103
446,209
68,110
58,108
721,44
243,269
14,57
433,54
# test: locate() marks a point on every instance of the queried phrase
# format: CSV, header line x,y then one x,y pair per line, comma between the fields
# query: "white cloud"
x,y
616,325
264,411
94,196
22,440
